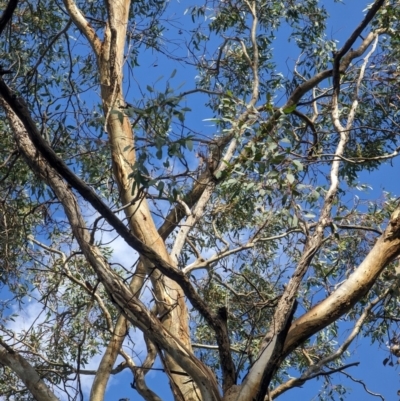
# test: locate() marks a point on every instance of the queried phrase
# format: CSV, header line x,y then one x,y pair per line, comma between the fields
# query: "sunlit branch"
x,y
215,347
83,25
343,134
26,373
202,202
255,61
315,370
353,109
361,160
191,220
140,371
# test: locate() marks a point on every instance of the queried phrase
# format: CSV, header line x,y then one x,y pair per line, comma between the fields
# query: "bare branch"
x,y
75,280
365,387
352,227
202,263
215,347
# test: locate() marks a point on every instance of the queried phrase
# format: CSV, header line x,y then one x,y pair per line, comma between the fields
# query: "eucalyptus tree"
x,y
230,227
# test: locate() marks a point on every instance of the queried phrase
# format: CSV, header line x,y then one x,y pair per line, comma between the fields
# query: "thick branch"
x,y
386,249
122,296
317,369
350,41
7,14
83,25
104,370
21,110
27,374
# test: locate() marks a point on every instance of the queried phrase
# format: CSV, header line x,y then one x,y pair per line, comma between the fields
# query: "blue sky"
x,y
344,18
378,378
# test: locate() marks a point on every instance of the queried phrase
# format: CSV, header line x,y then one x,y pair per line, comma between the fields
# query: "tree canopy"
x,y
233,179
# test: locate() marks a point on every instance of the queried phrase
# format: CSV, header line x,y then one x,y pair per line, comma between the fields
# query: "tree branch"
x,y
119,293
350,41
365,387
26,372
7,14
305,87
83,25
385,250
316,370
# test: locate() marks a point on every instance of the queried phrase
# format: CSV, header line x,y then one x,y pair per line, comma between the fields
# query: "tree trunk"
x,y
110,55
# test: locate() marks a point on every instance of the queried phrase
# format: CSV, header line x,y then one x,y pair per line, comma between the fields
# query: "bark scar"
x,y
393,229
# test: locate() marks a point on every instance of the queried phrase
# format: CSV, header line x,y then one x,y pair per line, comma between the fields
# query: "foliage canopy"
x,y
248,237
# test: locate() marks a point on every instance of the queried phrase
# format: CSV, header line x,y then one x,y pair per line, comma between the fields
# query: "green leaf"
x,y
299,165
290,178
160,187
189,144
290,109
